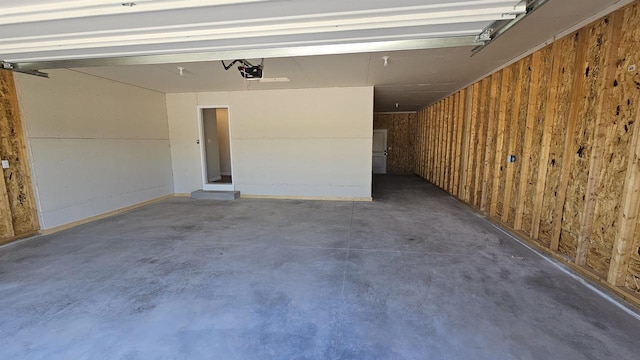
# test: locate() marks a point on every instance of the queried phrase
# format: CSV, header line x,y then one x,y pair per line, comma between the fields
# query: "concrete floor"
x,y
414,275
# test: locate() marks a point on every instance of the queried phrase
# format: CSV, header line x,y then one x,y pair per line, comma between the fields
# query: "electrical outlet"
x,y
511,158
632,68
5,164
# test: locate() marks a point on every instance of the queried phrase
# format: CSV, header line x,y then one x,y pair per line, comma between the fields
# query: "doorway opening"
x,y
216,149
379,161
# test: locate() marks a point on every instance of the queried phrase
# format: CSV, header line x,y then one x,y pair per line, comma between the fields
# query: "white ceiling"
x,y
413,78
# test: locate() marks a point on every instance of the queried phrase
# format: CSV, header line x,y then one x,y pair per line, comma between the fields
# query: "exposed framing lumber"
x,y
420,134
473,125
490,136
456,151
442,145
479,149
460,120
528,139
417,163
546,139
446,145
17,178
614,34
464,146
624,241
433,126
432,140
427,140
485,84
505,89
451,143
423,144
452,150
454,144
418,146
444,165
438,146
512,141
6,224
443,139
577,91
432,146
575,115
426,146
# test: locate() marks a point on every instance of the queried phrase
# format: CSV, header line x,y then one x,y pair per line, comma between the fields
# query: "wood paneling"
x,y
504,103
563,127
549,103
489,156
6,223
17,205
521,134
628,220
516,90
401,135
466,136
457,161
569,113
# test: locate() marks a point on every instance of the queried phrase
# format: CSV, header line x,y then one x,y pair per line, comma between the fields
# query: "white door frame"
x,y
384,131
203,159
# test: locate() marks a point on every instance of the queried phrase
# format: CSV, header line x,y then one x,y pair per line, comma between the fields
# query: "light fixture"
x,y
385,60
274,79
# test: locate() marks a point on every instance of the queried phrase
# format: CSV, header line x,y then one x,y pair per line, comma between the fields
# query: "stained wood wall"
x,y
570,114
17,206
401,138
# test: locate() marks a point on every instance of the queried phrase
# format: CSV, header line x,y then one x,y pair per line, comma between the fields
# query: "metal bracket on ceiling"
x,y
485,35
16,68
496,29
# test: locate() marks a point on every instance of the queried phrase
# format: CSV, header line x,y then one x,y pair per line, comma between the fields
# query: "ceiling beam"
x,y
351,48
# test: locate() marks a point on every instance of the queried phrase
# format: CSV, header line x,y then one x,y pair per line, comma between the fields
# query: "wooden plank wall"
x,y
570,114
401,136
17,204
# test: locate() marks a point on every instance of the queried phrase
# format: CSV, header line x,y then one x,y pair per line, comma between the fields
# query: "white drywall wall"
x,y
96,145
304,142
